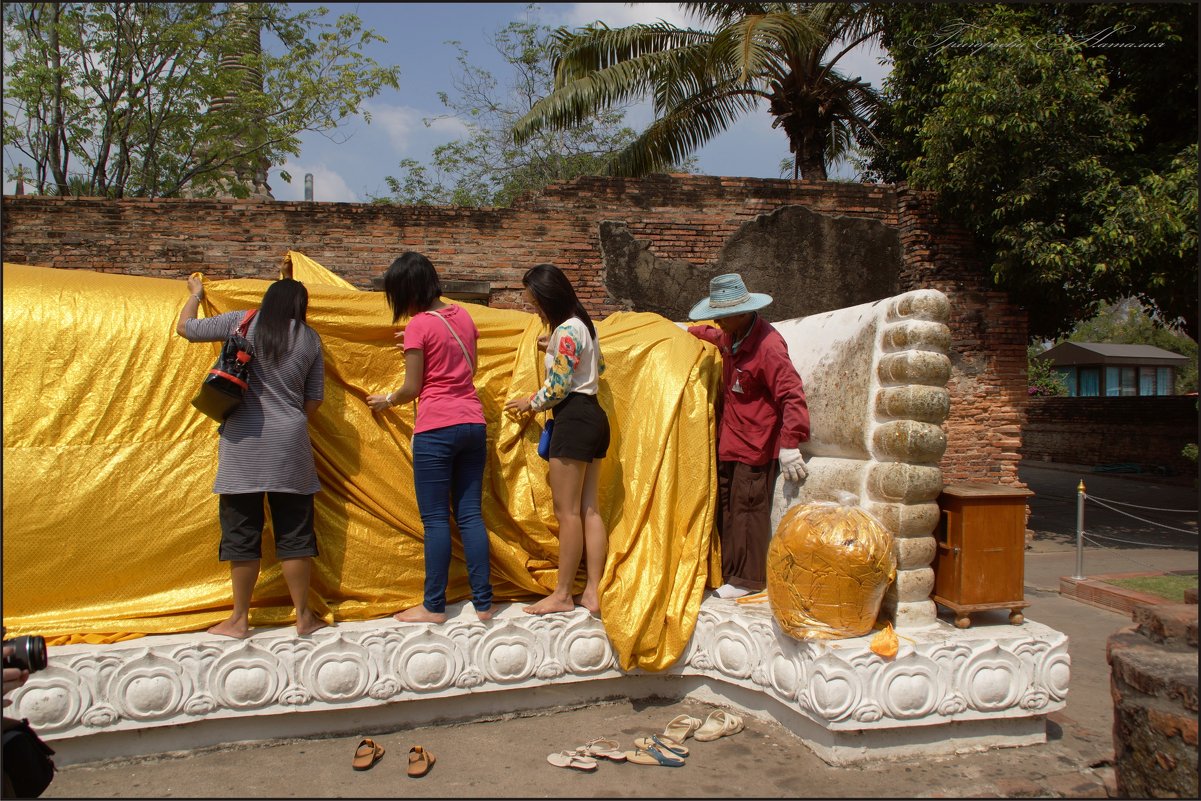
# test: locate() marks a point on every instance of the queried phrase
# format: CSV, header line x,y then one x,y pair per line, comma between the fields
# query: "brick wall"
x,y
687,218
1149,431
1153,680
988,345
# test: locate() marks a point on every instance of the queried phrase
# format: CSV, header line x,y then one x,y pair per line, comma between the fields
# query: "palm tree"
x,y
702,81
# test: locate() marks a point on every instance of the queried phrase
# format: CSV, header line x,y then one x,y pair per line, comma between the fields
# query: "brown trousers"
x,y
744,522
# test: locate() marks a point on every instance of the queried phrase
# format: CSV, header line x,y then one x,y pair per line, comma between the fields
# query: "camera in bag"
x,y
225,385
27,763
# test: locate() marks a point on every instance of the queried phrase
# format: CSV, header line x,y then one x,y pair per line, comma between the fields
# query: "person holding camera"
x,y
27,766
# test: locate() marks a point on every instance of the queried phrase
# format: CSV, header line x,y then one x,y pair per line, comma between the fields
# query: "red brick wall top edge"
x,y
661,184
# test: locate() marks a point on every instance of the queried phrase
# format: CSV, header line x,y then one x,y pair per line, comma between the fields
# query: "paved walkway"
x,y
506,758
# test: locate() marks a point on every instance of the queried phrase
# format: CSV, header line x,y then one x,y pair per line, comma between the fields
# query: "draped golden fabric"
x,y
110,524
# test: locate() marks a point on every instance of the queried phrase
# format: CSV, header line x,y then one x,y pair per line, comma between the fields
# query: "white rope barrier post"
x,y
1079,531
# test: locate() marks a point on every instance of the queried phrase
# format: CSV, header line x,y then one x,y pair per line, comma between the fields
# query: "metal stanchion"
x,y
1079,531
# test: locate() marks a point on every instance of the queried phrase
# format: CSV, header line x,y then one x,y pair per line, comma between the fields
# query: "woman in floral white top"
x,y
580,437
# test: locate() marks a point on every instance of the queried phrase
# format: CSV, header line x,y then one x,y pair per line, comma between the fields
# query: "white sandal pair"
x,y
720,723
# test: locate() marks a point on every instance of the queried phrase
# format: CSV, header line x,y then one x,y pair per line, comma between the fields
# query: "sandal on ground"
x,y
420,761
572,759
720,723
367,754
603,748
664,743
654,756
681,727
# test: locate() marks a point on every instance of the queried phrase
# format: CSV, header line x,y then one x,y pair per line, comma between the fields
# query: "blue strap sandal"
x,y
664,743
653,756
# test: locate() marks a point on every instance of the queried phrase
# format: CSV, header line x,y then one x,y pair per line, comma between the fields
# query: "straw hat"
x,y
728,296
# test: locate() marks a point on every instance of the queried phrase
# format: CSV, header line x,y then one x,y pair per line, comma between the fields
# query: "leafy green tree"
x,y
1074,165
486,168
700,81
1041,378
117,99
1129,323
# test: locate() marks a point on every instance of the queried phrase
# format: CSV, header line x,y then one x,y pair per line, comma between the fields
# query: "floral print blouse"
x,y
573,364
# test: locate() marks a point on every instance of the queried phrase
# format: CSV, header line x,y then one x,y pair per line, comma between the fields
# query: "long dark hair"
x,y
284,301
411,285
555,296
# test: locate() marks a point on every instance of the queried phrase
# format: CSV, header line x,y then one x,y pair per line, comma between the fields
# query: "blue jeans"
x,y
448,470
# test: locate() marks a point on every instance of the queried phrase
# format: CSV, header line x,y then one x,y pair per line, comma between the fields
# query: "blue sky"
x,y
350,166
417,35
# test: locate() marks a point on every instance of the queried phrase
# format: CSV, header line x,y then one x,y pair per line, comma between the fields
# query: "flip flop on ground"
x,y
603,748
653,756
572,759
681,727
420,761
367,754
720,723
664,743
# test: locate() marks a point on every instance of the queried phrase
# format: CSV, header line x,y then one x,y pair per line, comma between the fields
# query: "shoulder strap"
x,y
244,326
449,328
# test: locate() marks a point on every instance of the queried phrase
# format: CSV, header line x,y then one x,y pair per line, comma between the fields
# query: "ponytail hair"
x,y
555,296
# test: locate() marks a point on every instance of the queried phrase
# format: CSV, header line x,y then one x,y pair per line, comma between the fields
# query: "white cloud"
x,y
328,185
450,127
405,126
398,122
617,15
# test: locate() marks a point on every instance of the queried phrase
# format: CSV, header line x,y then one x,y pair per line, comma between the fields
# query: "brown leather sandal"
x,y
367,754
420,761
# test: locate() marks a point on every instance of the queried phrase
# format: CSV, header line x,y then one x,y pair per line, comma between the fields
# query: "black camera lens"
x,y
29,653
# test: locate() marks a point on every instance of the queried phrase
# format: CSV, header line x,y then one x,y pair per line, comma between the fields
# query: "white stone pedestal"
x,y
948,690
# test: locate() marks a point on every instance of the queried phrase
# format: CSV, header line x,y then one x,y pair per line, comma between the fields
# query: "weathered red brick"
x,y
683,217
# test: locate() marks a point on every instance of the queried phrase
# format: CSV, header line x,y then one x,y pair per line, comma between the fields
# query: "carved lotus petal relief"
x,y
427,662
248,677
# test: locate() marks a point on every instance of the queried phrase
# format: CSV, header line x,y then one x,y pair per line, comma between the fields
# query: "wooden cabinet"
x,y
981,552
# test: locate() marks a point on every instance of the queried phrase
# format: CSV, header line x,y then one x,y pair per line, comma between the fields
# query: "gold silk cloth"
x,y
110,523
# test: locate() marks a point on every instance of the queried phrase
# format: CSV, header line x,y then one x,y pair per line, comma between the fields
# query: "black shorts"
x,y
581,429
242,519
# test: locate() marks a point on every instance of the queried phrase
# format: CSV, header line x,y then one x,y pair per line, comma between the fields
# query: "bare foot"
x,y
549,605
485,615
419,614
309,623
591,603
238,629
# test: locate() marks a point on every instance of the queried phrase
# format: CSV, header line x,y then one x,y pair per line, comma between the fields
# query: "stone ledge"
x,y
1151,669
947,691
1095,591
1170,624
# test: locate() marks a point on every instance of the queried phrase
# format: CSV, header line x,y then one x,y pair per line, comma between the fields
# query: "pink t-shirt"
x,y
448,396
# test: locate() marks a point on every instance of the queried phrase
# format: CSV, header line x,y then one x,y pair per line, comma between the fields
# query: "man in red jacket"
x,y
762,421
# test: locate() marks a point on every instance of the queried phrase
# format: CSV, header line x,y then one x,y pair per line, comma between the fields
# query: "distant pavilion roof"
x,y
1072,353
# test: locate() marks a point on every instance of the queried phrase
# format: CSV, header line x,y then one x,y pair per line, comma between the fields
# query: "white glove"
x,y
792,465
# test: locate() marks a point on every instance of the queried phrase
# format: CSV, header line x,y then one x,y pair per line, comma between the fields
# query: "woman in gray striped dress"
x,y
264,451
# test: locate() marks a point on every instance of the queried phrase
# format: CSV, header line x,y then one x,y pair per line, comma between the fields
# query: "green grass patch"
x,y
1170,587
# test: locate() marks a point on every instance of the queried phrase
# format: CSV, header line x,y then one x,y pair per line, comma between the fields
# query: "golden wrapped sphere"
x,y
827,569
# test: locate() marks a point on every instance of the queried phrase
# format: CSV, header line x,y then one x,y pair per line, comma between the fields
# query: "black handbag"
x,y
27,763
225,385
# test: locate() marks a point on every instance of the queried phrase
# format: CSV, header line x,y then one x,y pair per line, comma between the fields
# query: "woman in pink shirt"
x,y
449,439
